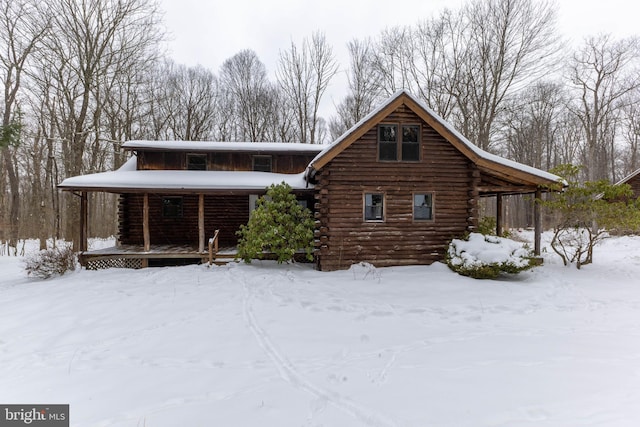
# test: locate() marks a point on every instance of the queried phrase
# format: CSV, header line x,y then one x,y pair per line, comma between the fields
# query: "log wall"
x,y
344,238
223,161
226,213
223,212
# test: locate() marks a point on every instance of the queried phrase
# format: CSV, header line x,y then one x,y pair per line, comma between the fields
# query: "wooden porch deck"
x,y
134,256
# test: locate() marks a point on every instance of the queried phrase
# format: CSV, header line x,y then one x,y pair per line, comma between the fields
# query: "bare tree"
x,y
189,102
226,124
92,42
363,85
248,94
160,101
303,75
507,43
466,64
392,59
568,150
434,69
21,28
602,73
126,103
532,125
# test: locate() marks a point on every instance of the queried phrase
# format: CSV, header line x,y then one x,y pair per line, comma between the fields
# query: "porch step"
x,y
222,259
226,256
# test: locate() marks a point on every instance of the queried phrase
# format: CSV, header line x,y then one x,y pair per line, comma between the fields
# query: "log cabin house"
x,y
392,190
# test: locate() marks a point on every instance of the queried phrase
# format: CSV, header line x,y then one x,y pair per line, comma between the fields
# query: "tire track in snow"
x,y
289,373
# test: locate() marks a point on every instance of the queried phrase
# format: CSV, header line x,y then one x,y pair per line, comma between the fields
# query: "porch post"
x,y
200,223
537,219
145,223
84,223
498,214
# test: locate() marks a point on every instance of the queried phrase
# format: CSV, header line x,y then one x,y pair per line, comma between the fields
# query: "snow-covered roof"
x,y
128,179
194,146
466,146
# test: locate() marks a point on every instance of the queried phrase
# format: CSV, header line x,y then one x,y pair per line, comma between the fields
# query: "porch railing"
x,y
213,246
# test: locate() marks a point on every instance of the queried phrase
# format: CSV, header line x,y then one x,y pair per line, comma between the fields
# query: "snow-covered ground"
x,y
283,345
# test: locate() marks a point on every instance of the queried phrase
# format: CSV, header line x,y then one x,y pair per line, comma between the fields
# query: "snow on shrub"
x,y
485,257
51,262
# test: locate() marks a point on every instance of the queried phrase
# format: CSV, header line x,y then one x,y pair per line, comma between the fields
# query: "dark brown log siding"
x,y
223,212
344,238
224,161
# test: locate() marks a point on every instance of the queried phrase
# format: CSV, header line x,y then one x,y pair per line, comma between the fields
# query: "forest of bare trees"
x,y
82,76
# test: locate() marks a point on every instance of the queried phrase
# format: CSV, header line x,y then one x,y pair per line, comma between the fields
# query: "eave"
x,y
182,182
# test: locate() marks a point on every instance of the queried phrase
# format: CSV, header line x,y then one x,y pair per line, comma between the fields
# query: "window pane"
x,y
387,142
388,151
374,207
410,133
172,207
411,143
196,162
422,206
388,133
262,163
221,161
410,151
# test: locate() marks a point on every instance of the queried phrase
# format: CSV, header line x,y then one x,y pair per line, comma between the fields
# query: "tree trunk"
x,y
14,198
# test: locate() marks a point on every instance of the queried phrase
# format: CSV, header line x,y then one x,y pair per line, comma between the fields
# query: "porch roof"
x,y
129,180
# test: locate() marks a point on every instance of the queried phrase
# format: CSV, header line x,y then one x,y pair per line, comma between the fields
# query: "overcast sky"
x,y
208,32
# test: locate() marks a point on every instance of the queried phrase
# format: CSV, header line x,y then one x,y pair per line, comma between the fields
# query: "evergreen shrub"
x,y
279,225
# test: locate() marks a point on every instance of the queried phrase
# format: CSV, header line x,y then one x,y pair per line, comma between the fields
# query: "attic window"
x,y
388,142
411,143
398,142
197,162
262,163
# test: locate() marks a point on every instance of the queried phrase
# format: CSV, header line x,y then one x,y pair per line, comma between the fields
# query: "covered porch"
x,y
497,184
135,256
201,246
173,217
